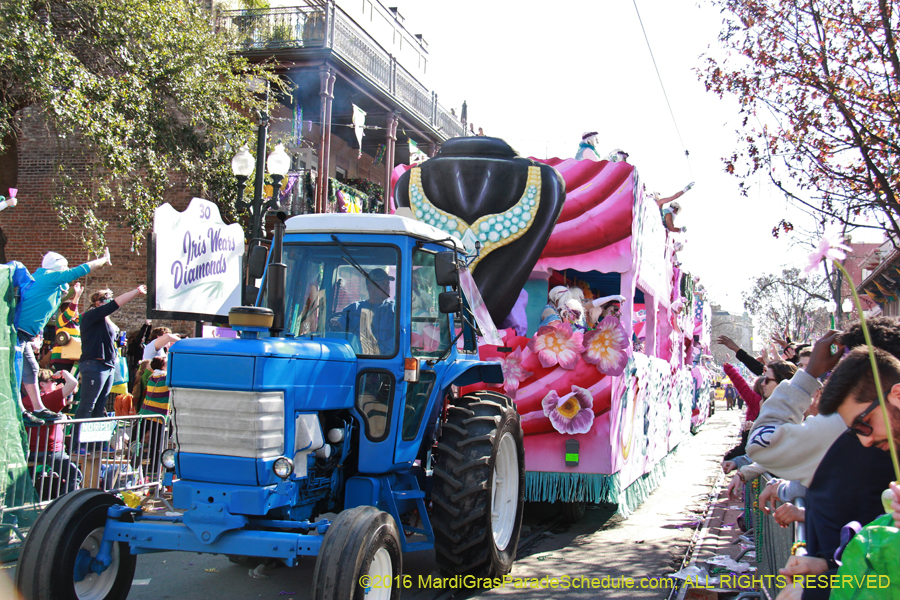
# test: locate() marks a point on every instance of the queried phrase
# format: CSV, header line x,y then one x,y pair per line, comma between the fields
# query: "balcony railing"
x,y
331,28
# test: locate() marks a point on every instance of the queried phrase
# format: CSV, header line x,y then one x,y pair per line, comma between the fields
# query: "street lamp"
x,y
831,307
242,167
278,165
243,164
847,306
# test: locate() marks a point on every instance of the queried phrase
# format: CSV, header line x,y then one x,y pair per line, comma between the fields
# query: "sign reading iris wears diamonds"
x,y
198,260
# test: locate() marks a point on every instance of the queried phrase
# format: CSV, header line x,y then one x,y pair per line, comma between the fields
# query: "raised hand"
x,y
728,343
822,358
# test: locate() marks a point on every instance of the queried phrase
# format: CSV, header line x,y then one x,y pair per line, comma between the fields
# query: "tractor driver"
x,y
372,319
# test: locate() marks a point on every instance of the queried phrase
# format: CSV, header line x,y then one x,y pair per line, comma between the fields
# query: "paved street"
x,y
650,543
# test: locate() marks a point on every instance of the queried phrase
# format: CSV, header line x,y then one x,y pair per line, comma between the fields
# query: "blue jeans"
x,y
26,363
96,383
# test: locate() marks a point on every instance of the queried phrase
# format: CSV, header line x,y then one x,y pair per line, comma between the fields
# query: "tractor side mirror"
x,y
445,270
256,262
449,302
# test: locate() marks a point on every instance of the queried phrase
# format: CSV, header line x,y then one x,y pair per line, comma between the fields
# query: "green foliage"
x,y
143,90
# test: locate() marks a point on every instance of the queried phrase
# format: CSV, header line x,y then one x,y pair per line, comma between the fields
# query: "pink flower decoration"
x,y
556,343
573,413
513,371
606,346
831,246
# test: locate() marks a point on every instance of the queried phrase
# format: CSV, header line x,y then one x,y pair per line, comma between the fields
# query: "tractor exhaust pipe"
x,y
277,277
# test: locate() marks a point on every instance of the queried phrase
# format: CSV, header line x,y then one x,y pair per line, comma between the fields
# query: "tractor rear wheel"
x,y
360,557
61,549
479,486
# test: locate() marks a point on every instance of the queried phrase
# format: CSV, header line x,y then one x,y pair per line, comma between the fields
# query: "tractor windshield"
x,y
343,291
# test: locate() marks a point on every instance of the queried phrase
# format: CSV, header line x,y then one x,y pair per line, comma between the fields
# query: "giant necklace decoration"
x,y
493,231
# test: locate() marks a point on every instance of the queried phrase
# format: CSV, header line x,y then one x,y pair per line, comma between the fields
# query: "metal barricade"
x,y
773,542
115,454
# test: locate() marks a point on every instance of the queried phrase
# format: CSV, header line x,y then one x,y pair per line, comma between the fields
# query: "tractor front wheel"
x,y
56,558
479,486
360,557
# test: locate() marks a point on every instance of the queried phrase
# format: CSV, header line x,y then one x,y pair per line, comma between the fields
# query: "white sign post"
x,y
198,268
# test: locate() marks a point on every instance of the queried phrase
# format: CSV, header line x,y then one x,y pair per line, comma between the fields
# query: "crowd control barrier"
x,y
774,543
116,454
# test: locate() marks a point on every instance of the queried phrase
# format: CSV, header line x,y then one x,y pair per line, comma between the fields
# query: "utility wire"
x,y
665,95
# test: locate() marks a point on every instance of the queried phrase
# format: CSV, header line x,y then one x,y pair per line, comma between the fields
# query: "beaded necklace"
x,y
493,231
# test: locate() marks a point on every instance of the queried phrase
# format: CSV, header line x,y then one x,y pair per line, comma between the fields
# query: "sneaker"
x,y
45,414
30,420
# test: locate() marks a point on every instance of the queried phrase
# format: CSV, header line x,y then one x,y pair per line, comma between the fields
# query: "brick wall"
x,y
32,228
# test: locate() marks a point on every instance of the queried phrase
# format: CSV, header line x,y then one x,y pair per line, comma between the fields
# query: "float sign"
x,y
198,261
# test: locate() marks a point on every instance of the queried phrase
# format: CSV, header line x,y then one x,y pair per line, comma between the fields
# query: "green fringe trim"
x,y
541,486
594,488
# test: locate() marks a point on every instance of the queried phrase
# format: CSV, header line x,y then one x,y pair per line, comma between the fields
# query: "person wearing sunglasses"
x,y
98,354
851,394
847,485
843,477
781,441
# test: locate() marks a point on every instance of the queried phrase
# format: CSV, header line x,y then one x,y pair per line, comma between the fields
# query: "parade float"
x,y
603,403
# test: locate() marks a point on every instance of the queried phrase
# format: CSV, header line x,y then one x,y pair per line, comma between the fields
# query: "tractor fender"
x,y
469,372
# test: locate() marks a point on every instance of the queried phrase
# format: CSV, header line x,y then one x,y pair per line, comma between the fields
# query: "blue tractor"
x,y
332,427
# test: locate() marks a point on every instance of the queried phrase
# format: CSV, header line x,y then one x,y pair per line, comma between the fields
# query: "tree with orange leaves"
x,y
819,88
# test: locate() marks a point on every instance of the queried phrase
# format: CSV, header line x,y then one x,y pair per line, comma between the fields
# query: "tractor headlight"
x,y
283,467
168,458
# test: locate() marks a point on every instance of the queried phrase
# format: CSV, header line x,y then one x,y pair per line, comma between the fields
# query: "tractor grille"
x,y
224,423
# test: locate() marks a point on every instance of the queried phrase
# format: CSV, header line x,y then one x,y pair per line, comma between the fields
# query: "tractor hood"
x,y
314,374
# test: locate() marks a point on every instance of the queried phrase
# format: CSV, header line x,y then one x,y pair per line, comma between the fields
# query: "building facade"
x,y
738,327
343,58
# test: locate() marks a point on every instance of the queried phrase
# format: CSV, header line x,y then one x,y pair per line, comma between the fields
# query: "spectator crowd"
x,y
74,364
814,421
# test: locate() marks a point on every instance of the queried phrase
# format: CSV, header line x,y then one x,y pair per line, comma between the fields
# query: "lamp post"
x,y
278,164
243,164
847,308
242,167
831,307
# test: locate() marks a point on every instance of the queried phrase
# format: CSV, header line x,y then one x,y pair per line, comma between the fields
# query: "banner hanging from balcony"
x,y
198,262
359,126
415,155
345,199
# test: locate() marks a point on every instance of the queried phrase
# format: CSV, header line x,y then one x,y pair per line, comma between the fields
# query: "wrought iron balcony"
x,y
329,27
